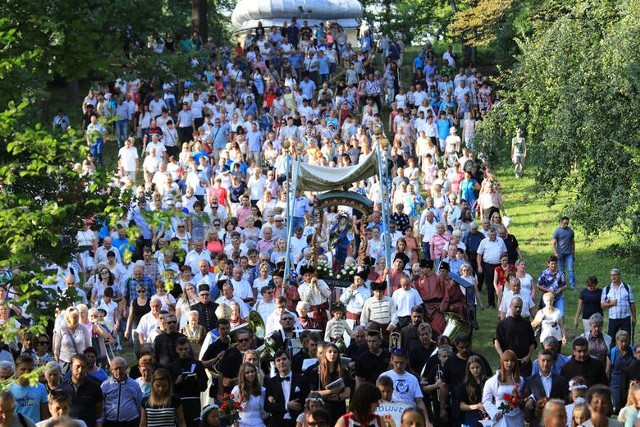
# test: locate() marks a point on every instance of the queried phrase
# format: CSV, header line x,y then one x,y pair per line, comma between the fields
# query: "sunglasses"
x,y
202,294
244,340
172,322
43,342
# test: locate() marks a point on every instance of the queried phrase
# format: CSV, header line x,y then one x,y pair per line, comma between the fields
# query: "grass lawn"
x,y
533,223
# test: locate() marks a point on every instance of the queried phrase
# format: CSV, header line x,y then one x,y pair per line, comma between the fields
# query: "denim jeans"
x,y
122,131
565,263
96,149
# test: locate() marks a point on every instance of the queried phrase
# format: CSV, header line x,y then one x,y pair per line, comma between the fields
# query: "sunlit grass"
x,y
533,223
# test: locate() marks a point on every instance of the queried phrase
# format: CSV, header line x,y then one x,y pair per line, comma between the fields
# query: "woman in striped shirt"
x,y
162,408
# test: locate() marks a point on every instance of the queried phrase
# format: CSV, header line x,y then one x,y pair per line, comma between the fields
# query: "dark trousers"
x,y
489,271
617,324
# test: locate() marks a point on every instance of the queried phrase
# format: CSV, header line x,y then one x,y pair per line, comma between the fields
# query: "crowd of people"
x,y
203,294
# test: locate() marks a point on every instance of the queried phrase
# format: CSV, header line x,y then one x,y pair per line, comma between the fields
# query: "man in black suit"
x,y
543,387
232,359
515,333
285,393
206,308
283,337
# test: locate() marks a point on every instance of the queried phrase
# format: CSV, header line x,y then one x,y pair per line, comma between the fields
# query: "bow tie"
x,y
284,379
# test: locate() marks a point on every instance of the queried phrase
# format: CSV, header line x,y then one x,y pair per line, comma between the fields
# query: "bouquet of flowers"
x,y
347,272
229,409
512,401
324,270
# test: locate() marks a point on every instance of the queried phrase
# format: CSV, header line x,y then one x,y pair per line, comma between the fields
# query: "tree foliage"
x,y
575,90
416,20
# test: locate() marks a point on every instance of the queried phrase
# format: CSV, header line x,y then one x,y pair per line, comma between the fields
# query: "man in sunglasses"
x,y
232,359
165,343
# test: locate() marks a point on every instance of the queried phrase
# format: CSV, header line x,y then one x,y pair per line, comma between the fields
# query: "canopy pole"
x,y
291,194
385,212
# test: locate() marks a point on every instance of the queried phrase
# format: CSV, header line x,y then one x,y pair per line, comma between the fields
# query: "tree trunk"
x,y
199,18
73,91
454,7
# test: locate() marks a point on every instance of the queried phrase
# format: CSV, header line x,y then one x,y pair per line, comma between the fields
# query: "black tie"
x,y
284,379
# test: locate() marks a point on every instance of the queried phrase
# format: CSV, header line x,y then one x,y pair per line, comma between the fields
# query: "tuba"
x,y
255,324
456,325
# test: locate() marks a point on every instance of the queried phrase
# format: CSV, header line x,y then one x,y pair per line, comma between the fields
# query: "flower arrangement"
x,y
229,408
323,269
512,400
347,272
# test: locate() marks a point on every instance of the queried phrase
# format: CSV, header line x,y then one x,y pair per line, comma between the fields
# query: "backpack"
x,y
608,288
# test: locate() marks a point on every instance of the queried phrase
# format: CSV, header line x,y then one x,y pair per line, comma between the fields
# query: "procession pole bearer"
x,y
384,191
291,192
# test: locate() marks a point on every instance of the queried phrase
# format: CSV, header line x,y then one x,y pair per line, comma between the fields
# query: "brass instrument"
x,y
455,326
395,342
267,350
255,324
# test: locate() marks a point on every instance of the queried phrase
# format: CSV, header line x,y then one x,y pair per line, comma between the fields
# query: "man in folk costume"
x,y
315,292
432,288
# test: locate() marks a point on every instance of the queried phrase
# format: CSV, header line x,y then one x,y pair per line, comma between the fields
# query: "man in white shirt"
x,y
228,298
405,298
406,387
528,305
266,306
161,151
489,252
196,254
128,160
242,288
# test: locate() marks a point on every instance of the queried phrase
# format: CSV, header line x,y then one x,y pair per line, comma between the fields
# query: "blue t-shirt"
x,y
28,399
564,240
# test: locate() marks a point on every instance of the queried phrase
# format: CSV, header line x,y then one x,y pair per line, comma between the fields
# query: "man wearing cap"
x,y
355,296
206,308
397,270
316,293
379,309
290,292
454,300
490,250
617,298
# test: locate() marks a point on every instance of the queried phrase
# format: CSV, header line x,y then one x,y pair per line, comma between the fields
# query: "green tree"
x,y
574,89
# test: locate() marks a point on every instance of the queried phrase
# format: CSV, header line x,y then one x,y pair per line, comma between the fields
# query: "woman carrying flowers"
x,y
501,396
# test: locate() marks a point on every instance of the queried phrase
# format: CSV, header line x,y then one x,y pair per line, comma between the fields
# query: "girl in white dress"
x,y
500,386
251,395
